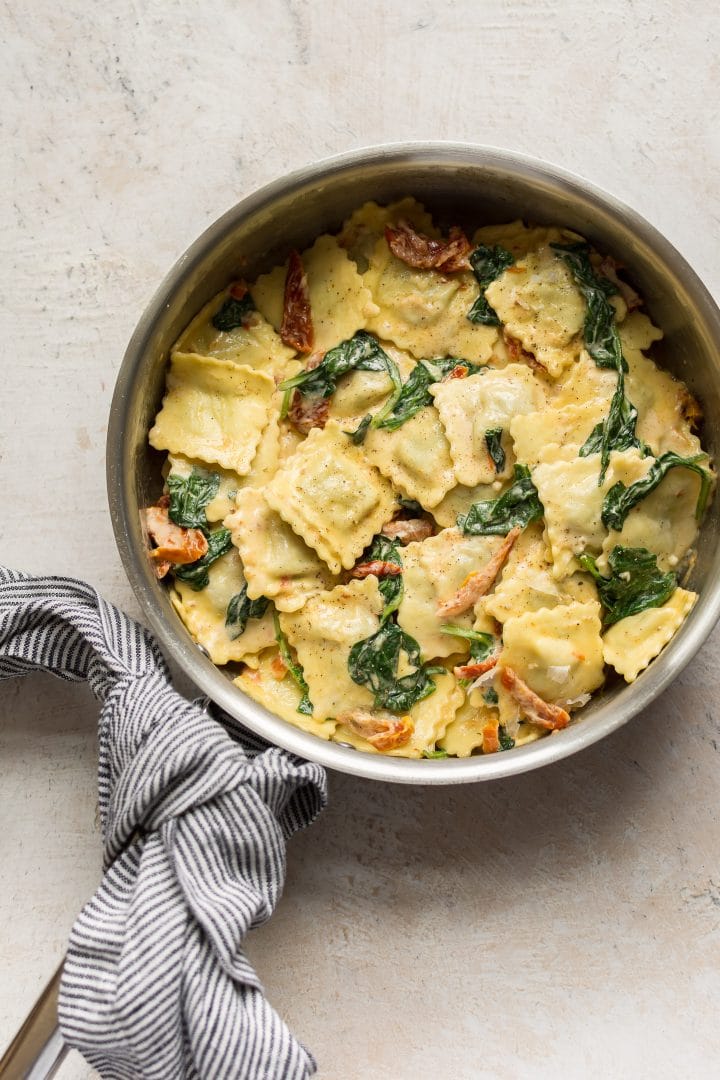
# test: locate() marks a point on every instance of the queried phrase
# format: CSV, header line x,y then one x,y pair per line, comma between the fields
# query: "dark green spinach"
x,y
415,394
490,697
189,496
600,334
493,441
636,582
488,263
602,341
373,663
240,610
196,574
359,353
383,549
519,505
233,312
411,506
617,432
294,669
620,499
482,645
506,741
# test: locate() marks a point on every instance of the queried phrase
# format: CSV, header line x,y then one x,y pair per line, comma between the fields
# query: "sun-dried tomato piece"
x,y
378,567
424,253
308,413
518,355
475,668
477,584
491,741
382,730
408,529
238,290
173,543
461,371
296,328
278,667
537,711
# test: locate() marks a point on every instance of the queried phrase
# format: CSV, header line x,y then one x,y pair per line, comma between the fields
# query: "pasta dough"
x,y
633,642
204,614
323,633
339,299
332,496
253,343
213,411
278,564
425,311
471,407
542,307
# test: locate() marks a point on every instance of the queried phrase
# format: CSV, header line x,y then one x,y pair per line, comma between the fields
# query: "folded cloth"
x,y
195,814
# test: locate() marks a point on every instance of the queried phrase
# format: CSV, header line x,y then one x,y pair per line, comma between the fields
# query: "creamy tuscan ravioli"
x,y
423,493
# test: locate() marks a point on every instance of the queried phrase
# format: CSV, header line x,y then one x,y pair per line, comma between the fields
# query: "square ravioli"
x,y
339,299
630,644
537,433
213,410
433,570
280,694
471,407
278,563
542,307
252,342
572,500
425,311
557,651
366,225
204,613
332,496
415,457
527,582
323,633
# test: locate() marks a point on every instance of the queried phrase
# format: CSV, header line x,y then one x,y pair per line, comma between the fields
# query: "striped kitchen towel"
x,y
195,814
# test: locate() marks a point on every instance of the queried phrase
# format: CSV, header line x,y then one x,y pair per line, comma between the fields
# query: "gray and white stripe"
x,y
195,815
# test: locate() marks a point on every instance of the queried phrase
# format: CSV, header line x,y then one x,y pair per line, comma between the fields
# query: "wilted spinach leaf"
x,y
233,312
241,609
505,740
196,574
488,263
636,583
493,437
295,670
482,645
600,334
415,394
519,505
411,506
435,753
617,432
189,496
357,437
373,662
620,499
603,343
359,353
383,549
490,697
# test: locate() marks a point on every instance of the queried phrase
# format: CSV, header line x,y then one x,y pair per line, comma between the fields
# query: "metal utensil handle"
x,y
37,1050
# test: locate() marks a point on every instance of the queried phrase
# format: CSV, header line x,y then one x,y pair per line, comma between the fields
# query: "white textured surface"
x,y
565,923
